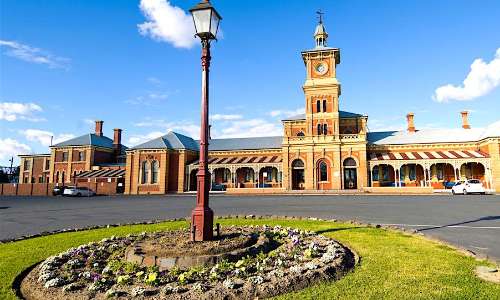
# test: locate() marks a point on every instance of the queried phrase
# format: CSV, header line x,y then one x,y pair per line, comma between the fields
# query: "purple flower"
x,y
95,277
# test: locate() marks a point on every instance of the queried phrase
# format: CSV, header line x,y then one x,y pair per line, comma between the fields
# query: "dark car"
x,y
58,190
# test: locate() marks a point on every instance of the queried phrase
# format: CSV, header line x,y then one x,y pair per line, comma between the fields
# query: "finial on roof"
x,y
320,34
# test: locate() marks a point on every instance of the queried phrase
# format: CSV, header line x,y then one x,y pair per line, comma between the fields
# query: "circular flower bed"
x,y
99,270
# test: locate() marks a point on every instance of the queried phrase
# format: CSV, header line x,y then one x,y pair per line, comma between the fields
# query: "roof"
x,y
88,139
242,160
456,154
342,114
251,143
171,140
34,155
430,136
102,174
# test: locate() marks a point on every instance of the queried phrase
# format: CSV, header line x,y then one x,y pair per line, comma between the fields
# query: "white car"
x,y
78,191
468,186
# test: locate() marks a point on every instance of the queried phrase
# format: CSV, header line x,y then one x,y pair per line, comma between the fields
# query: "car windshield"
x,y
474,181
459,183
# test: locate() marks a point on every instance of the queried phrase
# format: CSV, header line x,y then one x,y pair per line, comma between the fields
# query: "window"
x,y
57,176
375,173
385,173
349,162
439,169
27,164
74,174
324,105
65,156
323,171
47,164
40,179
62,177
225,175
318,106
145,172
249,175
300,133
413,172
154,173
298,164
325,129
81,156
320,129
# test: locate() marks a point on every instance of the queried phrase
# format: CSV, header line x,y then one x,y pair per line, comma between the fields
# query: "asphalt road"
x,y
471,222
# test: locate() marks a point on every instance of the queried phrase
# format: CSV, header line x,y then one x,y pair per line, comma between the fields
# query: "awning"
x,y
235,160
456,154
102,174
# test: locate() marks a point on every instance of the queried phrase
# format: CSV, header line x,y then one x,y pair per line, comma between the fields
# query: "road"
x,y
471,222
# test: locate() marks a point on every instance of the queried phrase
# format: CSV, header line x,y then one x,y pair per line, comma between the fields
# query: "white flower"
x,y
311,265
228,283
54,282
256,279
137,291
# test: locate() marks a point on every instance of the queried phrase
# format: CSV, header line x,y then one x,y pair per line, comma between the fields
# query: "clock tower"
x,y
321,88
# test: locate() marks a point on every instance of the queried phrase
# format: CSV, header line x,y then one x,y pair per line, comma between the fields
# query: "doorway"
x,y
298,179
350,179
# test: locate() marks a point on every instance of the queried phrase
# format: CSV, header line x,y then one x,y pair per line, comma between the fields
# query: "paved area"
x,y
472,222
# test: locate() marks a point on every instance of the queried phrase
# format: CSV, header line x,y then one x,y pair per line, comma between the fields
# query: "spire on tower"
x,y
320,34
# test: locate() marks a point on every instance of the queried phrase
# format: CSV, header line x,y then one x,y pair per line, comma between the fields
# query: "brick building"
x,y
323,149
66,160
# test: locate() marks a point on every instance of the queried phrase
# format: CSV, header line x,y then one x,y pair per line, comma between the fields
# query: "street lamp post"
x,y
206,22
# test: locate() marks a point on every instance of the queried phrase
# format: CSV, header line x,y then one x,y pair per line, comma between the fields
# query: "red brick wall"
x,y
173,171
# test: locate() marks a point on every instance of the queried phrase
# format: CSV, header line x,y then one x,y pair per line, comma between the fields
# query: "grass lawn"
x,y
393,265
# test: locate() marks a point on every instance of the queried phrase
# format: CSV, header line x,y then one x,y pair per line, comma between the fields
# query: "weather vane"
x,y
320,15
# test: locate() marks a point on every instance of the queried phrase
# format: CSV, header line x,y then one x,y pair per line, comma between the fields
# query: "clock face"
x,y
321,68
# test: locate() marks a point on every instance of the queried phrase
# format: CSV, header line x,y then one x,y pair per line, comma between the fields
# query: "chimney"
x,y
411,123
98,128
117,142
465,119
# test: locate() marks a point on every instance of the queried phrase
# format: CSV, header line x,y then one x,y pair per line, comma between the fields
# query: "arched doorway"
x,y
350,174
298,179
193,180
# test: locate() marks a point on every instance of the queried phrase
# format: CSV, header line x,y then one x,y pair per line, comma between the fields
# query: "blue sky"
x,y
66,63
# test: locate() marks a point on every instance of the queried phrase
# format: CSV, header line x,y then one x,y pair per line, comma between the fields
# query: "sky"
x,y
136,65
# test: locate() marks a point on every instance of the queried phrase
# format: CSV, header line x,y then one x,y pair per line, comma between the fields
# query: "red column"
x,y
202,216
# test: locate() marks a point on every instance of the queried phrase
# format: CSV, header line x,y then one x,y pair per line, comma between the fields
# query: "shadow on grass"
x,y
336,229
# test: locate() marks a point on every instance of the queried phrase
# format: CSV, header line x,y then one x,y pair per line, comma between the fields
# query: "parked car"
x,y
468,186
58,190
78,191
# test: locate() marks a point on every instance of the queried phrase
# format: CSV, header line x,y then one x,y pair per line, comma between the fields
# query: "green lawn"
x,y
393,265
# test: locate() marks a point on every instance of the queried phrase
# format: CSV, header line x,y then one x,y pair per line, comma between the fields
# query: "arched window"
x,y
324,105
325,129
154,171
145,172
320,129
300,133
349,162
323,171
318,106
297,164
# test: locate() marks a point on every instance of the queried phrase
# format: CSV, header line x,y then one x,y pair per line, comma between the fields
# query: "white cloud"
x,y
222,117
249,128
167,23
44,137
139,139
482,79
11,111
34,55
10,147
287,113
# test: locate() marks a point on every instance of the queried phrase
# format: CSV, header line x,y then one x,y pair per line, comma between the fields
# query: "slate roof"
x,y
171,140
251,143
430,136
342,114
90,139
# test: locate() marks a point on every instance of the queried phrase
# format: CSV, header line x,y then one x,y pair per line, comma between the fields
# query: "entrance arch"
x,y
350,174
298,179
193,180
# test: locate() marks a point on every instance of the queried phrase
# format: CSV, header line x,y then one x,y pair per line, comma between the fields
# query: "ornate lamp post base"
x,y
202,224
